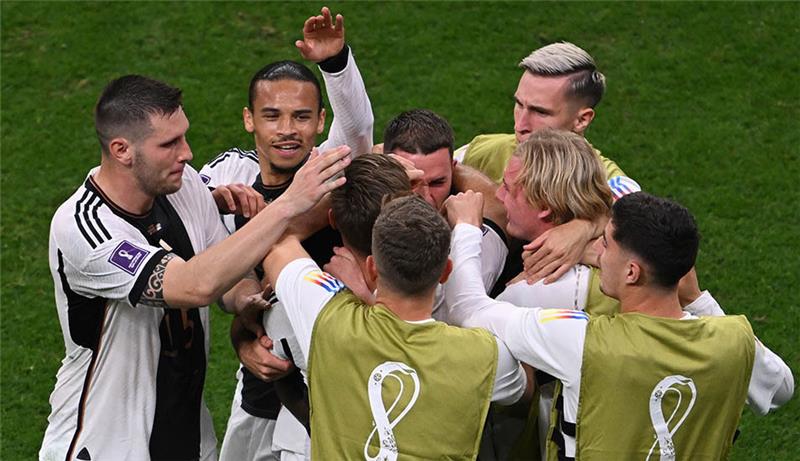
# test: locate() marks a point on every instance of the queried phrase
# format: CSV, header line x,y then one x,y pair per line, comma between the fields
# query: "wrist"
x,y
336,63
469,221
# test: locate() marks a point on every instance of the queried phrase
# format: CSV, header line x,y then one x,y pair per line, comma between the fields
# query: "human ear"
x,y
583,118
247,118
121,150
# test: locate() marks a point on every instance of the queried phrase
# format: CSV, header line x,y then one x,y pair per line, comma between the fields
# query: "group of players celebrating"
x,y
517,298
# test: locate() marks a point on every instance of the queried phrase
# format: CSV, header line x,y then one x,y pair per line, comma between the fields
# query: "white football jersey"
x,y
130,385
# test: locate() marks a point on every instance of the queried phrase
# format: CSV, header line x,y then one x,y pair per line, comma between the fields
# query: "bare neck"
x,y
651,301
269,177
122,189
408,308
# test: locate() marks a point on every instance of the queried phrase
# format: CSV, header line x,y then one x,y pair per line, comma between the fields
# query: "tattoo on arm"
x,y
153,294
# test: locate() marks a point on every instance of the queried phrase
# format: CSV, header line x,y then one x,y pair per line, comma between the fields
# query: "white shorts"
x,y
247,437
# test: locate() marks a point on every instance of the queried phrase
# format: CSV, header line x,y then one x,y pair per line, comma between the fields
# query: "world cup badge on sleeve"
x,y
128,257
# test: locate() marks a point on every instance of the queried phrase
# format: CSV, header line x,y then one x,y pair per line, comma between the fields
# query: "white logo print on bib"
x,y
663,432
380,415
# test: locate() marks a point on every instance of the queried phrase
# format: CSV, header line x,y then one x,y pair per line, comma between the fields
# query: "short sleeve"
x,y
279,329
304,290
116,266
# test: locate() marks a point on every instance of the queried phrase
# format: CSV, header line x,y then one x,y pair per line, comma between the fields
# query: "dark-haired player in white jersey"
x,y
137,253
285,114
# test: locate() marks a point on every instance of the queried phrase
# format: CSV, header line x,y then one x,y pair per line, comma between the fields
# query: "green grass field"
x,y
702,106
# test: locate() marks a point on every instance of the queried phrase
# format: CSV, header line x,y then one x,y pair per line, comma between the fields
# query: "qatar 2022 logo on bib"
x,y
680,394
394,379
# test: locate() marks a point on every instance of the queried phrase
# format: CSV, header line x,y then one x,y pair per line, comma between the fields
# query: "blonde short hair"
x,y
561,172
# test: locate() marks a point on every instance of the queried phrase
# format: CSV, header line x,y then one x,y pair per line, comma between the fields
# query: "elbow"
x,y
203,293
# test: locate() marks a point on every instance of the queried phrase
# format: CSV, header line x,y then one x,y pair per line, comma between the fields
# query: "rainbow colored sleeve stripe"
x,y
548,315
325,280
622,186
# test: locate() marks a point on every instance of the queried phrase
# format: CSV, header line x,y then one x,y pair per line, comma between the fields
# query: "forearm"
x,y
353,119
249,285
204,278
464,291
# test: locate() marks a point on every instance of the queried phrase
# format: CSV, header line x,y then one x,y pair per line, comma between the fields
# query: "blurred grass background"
x,y
702,106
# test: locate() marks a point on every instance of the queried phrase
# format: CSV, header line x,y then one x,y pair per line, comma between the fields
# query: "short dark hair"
x,y
418,131
410,244
285,70
356,205
126,105
661,232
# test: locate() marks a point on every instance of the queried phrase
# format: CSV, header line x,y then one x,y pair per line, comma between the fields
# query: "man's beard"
x,y
147,178
288,170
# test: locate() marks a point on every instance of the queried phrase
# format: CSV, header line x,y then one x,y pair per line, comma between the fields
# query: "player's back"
x,y
379,384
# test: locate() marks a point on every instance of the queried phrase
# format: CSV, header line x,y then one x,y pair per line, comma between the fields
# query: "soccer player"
x,y
654,379
371,178
559,88
425,139
552,178
137,253
285,114
414,387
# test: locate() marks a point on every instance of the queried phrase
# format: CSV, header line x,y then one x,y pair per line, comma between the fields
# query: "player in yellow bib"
x,y
386,381
559,88
654,382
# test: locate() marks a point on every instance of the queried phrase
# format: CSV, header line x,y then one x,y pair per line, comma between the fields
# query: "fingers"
x,y
557,274
239,198
277,368
344,252
415,175
222,195
262,363
326,16
520,277
535,245
309,25
339,23
330,158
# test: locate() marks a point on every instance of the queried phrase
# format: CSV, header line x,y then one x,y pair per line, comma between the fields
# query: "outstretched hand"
x,y
315,179
322,37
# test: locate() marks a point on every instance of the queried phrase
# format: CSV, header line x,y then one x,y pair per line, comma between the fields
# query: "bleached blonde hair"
x,y
561,172
587,84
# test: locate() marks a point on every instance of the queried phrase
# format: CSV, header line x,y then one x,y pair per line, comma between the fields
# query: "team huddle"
x,y
518,297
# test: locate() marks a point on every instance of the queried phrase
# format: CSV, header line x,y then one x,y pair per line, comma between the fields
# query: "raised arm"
x,y
467,178
324,43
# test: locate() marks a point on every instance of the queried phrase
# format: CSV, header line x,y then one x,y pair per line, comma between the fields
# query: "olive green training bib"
x,y
662,389
383,388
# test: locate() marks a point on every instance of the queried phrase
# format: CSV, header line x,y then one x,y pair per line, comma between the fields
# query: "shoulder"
x,y
84,222
233,165
493,141
611,167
